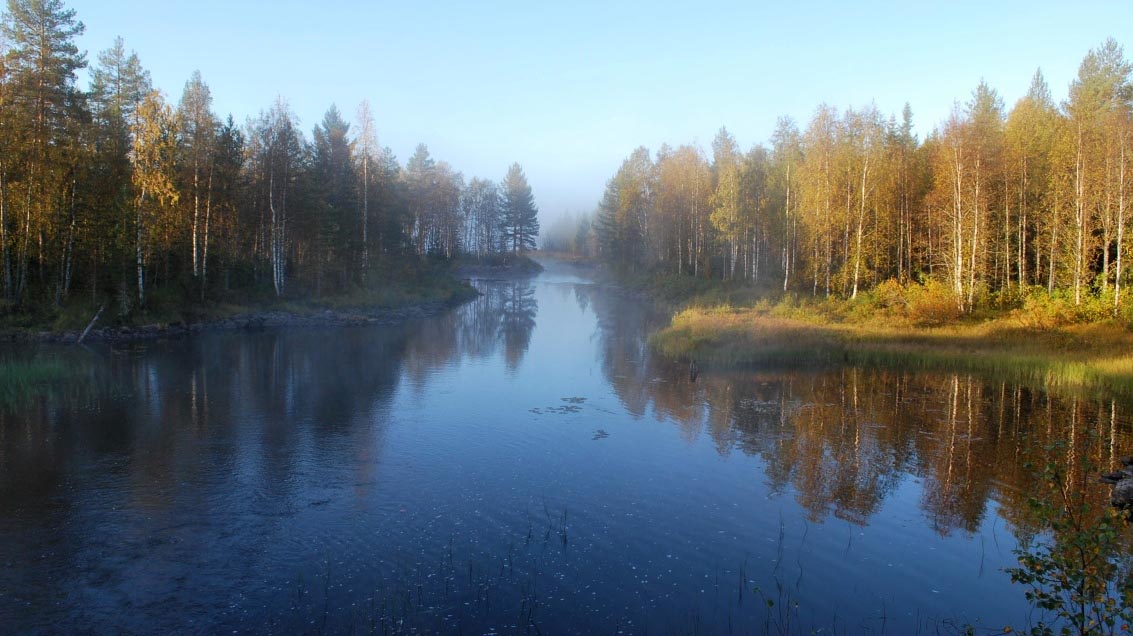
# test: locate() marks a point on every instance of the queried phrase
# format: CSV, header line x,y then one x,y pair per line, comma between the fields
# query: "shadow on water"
x,y
396,480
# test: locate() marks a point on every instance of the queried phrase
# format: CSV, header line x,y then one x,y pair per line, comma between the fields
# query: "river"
x,y
521,465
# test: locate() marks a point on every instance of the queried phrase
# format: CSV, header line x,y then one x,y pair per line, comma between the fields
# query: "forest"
x,y
119,194
992,206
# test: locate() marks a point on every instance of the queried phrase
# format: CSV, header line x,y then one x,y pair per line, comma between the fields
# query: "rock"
x,y
1122,496
1122,480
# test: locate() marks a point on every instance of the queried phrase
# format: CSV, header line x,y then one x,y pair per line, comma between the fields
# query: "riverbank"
x,y
497,266
390,303
1093,358
1030,338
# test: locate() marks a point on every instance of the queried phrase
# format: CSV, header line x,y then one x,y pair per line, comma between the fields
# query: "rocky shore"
x,y
252,321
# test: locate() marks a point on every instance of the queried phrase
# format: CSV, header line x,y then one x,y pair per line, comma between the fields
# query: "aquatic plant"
x,y
23,380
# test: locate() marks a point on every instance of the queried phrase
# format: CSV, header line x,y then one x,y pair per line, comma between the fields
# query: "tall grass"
x,y
1081,358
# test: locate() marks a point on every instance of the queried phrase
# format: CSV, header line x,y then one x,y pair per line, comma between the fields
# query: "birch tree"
x,y
277,150
365,146
786,155
197,127
152,159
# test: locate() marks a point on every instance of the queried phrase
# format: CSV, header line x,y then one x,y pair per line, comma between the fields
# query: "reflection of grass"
x,y
24,380
1094,357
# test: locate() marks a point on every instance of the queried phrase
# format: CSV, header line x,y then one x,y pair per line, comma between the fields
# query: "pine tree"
x,y
42,63
335,193
118,86
518,211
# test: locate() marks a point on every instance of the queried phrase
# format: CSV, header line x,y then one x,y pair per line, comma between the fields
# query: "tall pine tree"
x,y
519,213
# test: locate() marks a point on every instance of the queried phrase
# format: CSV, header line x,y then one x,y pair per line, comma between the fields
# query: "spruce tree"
x,y
519,213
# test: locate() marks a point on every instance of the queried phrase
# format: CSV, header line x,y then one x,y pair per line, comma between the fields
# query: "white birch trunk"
x,y
205,245
1120,227
139,251
196,212
861,227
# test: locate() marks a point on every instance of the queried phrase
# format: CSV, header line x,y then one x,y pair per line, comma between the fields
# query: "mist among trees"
x,y
121,192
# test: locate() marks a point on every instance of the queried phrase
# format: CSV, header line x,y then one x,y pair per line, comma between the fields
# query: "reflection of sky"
x,y
645,491
247,463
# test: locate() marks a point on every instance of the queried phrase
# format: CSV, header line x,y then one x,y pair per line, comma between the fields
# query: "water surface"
x,y
520,465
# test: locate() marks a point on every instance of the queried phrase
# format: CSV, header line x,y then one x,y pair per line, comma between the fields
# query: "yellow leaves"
x,y
154,148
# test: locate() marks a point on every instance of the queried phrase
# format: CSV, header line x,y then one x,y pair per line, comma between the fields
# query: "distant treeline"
x,y
114,192
991,203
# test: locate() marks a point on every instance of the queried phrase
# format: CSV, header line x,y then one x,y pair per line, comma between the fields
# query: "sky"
x,y
569,89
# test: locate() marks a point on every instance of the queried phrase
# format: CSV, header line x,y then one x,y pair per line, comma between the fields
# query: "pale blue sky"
x,y
570,89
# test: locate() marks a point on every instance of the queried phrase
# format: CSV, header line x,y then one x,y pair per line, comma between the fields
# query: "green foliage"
x,y
1077,569
518,212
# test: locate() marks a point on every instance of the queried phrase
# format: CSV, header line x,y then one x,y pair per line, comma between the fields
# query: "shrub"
x,y
932,303
1077,570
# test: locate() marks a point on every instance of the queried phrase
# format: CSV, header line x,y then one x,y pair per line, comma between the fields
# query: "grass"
x,y
1092,357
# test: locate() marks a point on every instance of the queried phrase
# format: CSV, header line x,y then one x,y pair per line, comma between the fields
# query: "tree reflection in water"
x,y
842,440
272,450
502,316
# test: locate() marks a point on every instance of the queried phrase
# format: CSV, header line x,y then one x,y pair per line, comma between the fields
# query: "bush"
x,y
932,303
1042,310
892,296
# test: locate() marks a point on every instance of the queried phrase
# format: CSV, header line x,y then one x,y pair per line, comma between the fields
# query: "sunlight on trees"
x,y
122,193
991,203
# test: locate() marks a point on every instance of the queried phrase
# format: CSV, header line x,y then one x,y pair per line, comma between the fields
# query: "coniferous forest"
x,y
119,193
994,204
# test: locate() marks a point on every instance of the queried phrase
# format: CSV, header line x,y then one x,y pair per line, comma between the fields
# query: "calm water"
x,y
521,465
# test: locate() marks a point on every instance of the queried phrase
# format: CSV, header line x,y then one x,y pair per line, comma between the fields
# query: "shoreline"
x,y
1091,357
251,321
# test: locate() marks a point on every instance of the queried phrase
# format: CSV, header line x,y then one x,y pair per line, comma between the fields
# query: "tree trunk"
x,y
365,214
205,245
68,251
958,227
1079,222
22,274
1120,227
138,252
1022,255
1050,255
787,228
196,212
4,254
975,241
861,227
